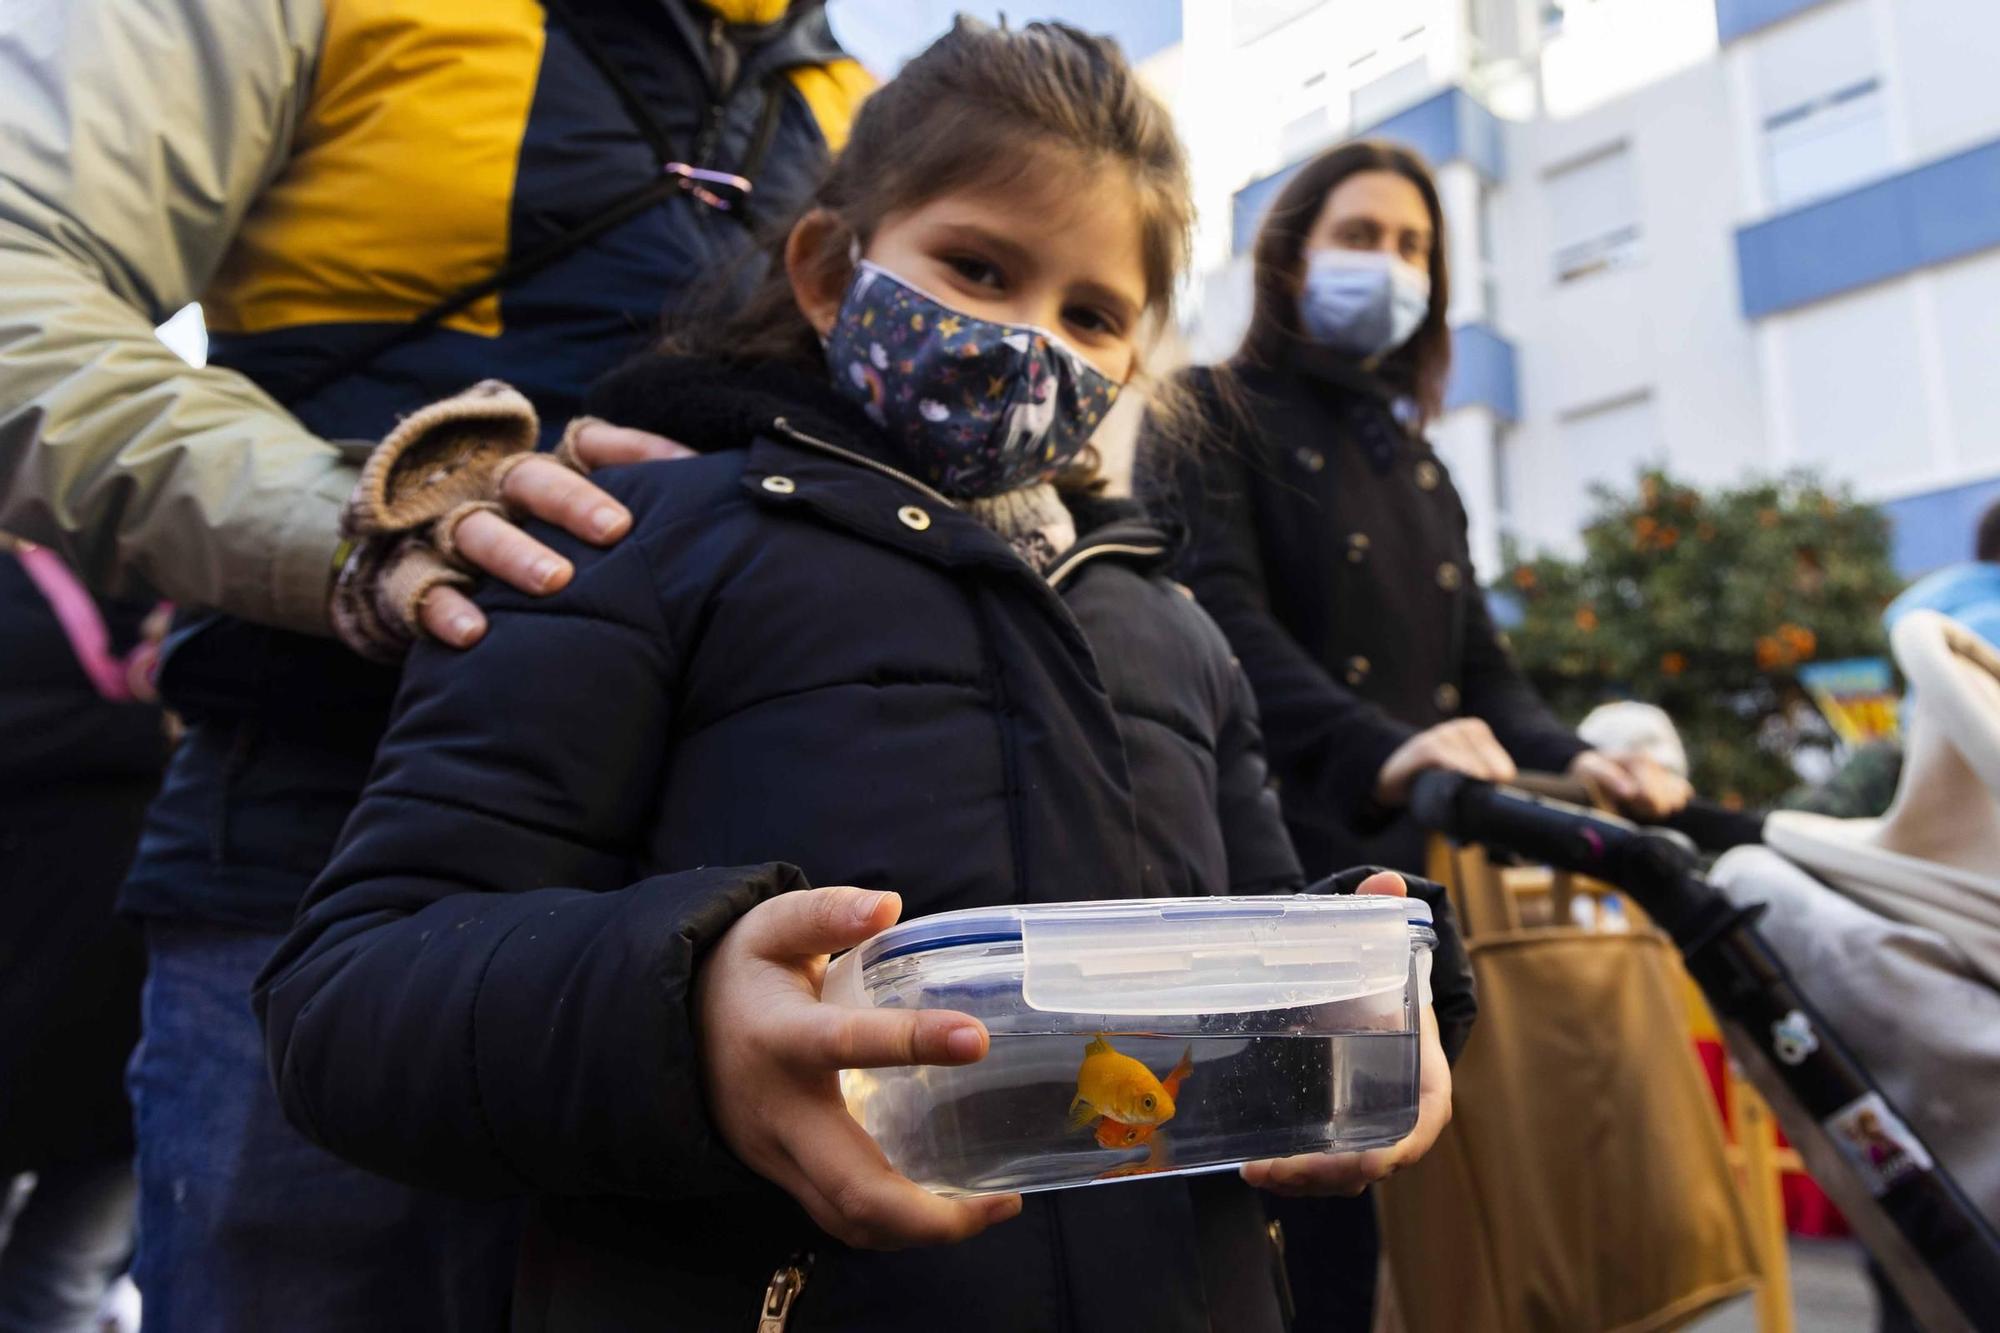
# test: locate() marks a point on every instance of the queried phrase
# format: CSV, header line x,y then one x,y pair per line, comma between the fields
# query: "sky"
x,y
882,34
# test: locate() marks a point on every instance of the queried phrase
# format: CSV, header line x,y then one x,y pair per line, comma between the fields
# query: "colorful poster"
x,y
1857,696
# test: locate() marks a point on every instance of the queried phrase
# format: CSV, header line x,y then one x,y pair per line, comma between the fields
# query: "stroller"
x,y
1899,950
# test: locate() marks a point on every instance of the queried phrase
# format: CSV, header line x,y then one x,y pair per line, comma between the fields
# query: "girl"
x,y
1330,545
885,631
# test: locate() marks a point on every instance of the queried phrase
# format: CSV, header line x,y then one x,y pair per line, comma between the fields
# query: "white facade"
x,y
1637,142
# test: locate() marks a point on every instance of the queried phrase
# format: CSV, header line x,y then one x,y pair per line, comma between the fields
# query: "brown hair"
x,y
981,106
1986,546
1417,368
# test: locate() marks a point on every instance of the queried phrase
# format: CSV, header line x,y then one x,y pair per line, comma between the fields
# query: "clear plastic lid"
x,y
1183,955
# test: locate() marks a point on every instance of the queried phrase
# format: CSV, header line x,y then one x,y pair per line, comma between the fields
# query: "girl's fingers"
x,y
1319,1174
832,1036
852,1192
1387,883
492,544
450,617
806,922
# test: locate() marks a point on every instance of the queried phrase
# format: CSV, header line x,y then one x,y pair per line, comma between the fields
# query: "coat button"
x,y
913,518
1446,698
1357,547
1357,670
1448,576
1428,475
1311,459
780,485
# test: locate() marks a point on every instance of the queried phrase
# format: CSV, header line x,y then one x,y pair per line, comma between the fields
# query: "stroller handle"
x,y
1710,825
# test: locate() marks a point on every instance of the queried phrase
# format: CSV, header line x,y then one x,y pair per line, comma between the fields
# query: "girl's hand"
x,y
1640,786
771,1056
1463,745
1323,1173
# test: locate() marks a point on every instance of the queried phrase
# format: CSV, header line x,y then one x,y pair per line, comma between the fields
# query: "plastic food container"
x,y
1146,1036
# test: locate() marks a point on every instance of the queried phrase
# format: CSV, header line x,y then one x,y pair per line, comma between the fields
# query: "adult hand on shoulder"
x,y
1323,1173
1463,745
1641,787
439,502
543,488
771,1052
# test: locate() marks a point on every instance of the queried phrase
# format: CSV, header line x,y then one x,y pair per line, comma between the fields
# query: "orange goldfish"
x,y
1112,1134
1122,1094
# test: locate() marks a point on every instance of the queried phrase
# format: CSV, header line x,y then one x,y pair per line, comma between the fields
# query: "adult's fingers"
x,y
551,492
450,617
1496,763
851,1191
601,444
491,543
806,922
834,1036
1474,752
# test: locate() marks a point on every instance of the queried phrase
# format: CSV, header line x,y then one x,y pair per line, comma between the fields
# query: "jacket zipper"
x,y
1287,1311
786,428
783,1292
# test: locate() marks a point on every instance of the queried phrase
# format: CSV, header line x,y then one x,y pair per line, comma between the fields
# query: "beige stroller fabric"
x,y
1901,999
1934,859
1582,1186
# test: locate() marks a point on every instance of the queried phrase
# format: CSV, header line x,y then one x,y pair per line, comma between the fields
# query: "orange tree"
x,y
1706,604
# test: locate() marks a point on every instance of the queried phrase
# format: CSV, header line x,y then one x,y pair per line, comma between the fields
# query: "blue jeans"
x,y
66,1246
243,1224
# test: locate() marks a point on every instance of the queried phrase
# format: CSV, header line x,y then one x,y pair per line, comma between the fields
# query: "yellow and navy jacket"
x,y
320,174
316,172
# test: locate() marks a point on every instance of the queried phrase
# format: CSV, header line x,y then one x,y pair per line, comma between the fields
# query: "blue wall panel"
x,y
1733,18
1483,372
1930,214
1936,528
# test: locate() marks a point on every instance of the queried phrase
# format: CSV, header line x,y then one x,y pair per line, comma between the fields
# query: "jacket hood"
x,y
713,406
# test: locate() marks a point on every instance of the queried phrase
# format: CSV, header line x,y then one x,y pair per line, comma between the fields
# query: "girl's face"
x,y
1375,210
1061,251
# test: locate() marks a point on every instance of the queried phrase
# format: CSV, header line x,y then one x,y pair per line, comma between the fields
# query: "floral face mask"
x,y
981,408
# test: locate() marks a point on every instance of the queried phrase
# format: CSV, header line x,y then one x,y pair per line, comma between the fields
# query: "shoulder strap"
x,y
82,623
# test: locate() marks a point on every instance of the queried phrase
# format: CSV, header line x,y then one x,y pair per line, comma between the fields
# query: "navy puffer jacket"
x,y
801,664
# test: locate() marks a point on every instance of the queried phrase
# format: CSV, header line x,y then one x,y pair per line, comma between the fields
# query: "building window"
x,y
1594,206
1823,146
1820,104
1606,444
1378,98
1251,19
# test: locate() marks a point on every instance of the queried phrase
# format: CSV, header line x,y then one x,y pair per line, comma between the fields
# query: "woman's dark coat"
x,y
798,658
1329,543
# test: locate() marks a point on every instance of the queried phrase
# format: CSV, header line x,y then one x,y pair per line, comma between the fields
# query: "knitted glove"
x,y
437,468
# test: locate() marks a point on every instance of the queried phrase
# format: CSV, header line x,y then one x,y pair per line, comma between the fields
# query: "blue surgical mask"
x,y
980,408
1362,302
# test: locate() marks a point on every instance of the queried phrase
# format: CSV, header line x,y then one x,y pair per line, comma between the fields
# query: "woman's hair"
x,y
981,107
1417,368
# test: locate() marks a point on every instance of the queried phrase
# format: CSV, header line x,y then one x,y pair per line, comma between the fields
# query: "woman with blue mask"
x,y
1330,545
